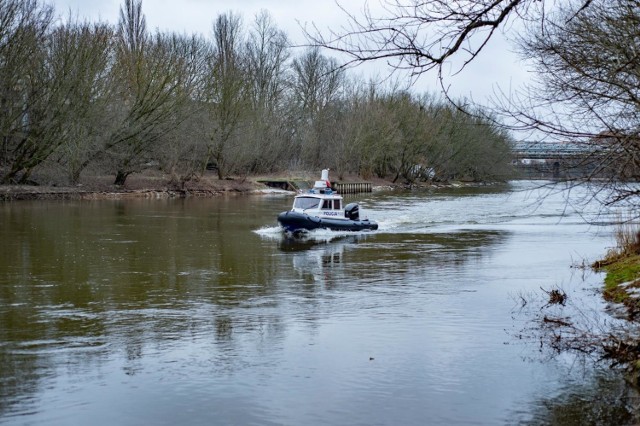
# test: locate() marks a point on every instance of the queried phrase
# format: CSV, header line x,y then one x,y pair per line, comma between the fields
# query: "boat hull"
x,y
294,221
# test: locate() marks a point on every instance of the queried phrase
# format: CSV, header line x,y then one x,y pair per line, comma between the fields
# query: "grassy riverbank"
x,y
622,286
622,268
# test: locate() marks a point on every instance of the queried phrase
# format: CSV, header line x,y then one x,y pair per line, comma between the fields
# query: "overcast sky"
x,y
495,66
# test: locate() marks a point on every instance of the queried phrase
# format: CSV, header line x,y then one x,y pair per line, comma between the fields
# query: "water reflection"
x,y
598,399
303,242
84,281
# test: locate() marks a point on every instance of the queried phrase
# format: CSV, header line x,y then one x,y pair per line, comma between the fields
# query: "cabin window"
x,y
306,203
336,205
326,204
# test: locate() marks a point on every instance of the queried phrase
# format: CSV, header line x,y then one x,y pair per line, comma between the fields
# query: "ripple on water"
x,y
207,322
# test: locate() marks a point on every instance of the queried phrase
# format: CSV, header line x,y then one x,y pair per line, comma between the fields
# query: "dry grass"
x,y
627,238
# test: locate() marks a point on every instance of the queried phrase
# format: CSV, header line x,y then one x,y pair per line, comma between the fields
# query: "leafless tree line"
x,y
92,98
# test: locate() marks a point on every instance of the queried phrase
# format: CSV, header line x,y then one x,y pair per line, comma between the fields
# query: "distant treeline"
x,y
81,97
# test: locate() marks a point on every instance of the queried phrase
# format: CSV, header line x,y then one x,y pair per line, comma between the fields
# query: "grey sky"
x,y
192,16
495,66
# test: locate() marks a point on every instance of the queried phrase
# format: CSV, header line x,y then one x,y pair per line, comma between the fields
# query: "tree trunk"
x,y
74,175
24,179
121,177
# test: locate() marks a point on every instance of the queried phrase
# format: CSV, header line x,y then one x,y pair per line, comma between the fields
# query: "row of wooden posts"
x,y
351,187
341,187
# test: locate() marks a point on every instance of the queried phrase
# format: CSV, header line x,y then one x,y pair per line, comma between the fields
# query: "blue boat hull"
x,y
294,221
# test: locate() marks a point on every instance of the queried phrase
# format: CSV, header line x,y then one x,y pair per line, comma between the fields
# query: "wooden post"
x,y
353,187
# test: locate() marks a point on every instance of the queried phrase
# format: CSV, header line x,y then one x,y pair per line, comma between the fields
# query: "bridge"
x,y
542,160
533,150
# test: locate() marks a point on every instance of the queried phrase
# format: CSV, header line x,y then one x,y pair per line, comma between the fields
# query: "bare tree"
x,y
147,80
588,90
54,94
183,146
90,47
469,147
421,35
267,58
413,138
226,95
584,53
267,54
371,132
26,87
317,94
316,83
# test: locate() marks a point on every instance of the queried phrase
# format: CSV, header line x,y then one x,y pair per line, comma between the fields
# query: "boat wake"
x,y
320,235
269,232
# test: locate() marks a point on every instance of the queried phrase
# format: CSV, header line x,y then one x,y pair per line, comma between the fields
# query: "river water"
x,y
199,311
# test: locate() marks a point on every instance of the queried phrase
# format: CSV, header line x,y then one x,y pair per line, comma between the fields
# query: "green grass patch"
x,y
623,270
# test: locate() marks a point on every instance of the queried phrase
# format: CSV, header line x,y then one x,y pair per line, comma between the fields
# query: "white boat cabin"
x,y
321,205
320,201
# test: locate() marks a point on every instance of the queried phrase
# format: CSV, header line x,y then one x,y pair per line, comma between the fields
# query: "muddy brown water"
x,y
199,311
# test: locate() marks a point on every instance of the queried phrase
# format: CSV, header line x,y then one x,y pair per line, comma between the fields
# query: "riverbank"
x,y
622,288
147,185
159,185
622,282
622,267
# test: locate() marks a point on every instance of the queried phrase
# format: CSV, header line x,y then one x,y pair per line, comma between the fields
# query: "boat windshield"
x,y
306,203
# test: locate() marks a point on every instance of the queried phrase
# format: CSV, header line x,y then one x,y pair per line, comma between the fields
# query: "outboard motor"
x,y
352,211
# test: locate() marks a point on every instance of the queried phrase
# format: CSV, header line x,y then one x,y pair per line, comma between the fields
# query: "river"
x,y
198,311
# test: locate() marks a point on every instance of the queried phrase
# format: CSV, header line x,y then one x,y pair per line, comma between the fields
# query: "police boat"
x,y
321,208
